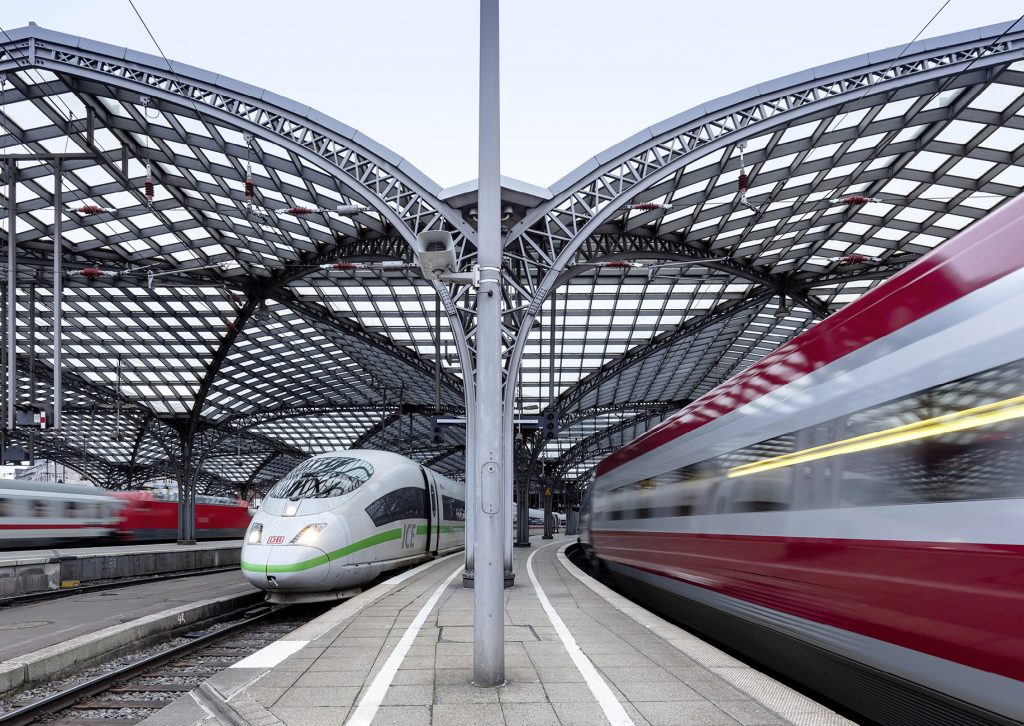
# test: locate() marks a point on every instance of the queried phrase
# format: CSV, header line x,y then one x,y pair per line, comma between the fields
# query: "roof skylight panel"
x,y
960,132
943,99
983,201
1004,139
1011,176
996,97
969,168
927,161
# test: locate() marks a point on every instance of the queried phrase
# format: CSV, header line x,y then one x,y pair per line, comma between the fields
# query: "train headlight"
x,y
309,534
255,535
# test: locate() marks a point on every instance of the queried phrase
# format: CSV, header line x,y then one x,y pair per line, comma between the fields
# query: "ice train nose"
x,y
285,567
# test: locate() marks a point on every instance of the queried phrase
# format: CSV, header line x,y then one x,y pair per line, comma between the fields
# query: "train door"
x,y
433,513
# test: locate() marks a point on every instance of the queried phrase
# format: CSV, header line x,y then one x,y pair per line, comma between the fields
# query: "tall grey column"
x,y
489,570
12,292
58,290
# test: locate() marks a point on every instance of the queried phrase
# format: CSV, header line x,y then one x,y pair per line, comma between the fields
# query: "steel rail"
x,y
59,701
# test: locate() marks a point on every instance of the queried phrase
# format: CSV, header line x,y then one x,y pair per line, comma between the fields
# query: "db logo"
x,y
276,539
181,618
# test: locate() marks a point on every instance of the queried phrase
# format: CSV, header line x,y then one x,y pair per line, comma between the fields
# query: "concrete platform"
x,y
27,571
46,638
576,654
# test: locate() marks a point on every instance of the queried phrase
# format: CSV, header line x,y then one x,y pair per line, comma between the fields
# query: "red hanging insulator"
x,y
616,264
852,259
92,273
344,266
299,211
236,298
743,181
646,206
149,190
855,200
250,190
90,209
232,327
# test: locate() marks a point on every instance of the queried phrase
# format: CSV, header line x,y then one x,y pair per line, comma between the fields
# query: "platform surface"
x,y
29,628
21,557
600,659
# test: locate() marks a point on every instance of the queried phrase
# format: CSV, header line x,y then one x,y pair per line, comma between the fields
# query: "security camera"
x,y
435,253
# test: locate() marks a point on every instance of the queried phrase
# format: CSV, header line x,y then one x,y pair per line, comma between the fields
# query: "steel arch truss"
x,y
665,280
203,306
250,344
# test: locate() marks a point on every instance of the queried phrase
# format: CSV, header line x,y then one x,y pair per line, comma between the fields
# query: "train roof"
x,y
27,485
981,254
377,458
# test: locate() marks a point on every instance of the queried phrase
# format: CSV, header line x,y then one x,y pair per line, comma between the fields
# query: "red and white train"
x,y
850,509
37,514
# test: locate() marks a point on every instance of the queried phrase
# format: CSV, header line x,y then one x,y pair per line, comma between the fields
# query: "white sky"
x,y
577,75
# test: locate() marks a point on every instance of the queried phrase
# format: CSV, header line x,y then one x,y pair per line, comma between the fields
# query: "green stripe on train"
x,y
324,559
339,553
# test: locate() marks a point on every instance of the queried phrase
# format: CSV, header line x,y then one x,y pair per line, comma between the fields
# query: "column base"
x,y
468,580
548,536
187,542
522,544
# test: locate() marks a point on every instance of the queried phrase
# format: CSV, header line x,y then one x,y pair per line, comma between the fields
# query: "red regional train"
x,y
850,509
38,514
152,516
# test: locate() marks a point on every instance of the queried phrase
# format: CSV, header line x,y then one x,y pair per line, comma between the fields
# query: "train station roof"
x,y
237,269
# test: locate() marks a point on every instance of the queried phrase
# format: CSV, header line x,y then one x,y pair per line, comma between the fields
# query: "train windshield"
x,y
322,478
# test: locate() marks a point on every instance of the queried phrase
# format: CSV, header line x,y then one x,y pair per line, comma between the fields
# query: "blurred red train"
x,y
36,514
152,516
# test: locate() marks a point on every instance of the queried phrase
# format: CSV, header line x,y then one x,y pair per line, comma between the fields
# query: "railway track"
x,y
133,692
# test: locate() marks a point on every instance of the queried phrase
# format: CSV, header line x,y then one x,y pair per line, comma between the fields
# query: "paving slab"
x,y
575,653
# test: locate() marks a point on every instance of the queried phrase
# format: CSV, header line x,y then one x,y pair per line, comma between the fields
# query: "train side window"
x,y
404,503
4,508
70,509
454,509
767,492
38,508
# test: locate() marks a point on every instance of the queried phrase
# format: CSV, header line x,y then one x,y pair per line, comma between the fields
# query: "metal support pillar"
x,y
12,293
548,529
32,370
58,289
186,491
523,510
489,531
509,462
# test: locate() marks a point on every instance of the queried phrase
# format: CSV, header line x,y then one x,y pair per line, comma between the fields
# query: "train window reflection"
x,y
404,503
332,476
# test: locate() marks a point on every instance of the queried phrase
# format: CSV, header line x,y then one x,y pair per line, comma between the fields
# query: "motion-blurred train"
x,y
850,509
340,519
38,514
151,515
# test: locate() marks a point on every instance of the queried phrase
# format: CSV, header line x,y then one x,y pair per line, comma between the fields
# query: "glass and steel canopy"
x,y
264,303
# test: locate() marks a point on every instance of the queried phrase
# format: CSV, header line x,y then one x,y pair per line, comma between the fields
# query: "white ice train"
x,y
340,519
